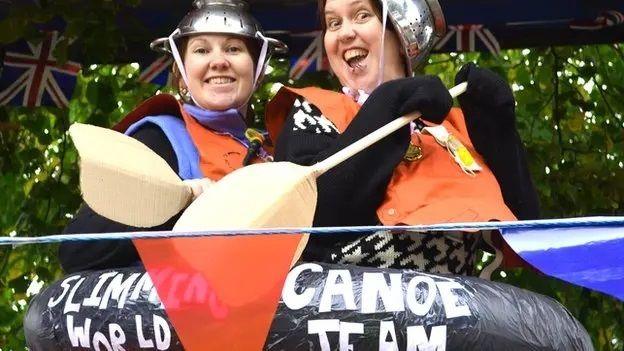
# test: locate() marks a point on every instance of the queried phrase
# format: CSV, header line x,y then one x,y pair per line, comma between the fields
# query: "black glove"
x,y
489,110
426,94
488,96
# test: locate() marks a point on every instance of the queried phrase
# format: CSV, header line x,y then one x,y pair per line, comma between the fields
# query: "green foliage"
x,y
34,181
569,109
569,114
39,181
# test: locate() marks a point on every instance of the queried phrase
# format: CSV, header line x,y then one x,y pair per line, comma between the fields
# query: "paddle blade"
x,y
245,273
278,194
124,180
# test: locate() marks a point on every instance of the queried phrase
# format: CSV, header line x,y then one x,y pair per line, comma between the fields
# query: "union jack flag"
x,y
468,37
157,72
313,53
32,76
607,19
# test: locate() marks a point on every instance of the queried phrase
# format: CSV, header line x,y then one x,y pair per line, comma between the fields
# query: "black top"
x,y
351,193
348,195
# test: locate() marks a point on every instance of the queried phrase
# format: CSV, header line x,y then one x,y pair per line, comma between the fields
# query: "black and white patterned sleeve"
x,y
307,135
349,193
309,119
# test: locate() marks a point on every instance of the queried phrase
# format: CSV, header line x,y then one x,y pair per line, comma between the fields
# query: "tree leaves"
x,y
38,183
577,162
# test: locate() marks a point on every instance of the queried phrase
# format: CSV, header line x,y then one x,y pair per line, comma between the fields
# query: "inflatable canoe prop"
x,y
322,307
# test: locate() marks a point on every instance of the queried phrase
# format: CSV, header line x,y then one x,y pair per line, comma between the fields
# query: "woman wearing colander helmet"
x,y
419,175
220,55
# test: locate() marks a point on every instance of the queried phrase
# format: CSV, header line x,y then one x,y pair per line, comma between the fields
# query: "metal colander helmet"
x,y
418,24
231,17
218,17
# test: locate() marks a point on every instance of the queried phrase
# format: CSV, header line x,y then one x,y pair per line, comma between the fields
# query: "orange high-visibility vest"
x,y
433,189
218,154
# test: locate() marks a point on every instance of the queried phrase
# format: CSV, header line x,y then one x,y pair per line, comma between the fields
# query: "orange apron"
x,y
433,189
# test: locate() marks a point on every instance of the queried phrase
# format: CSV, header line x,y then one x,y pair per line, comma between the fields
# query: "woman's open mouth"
x,y
355,57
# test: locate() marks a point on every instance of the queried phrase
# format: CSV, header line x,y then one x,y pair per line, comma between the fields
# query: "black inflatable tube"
x,y
323,307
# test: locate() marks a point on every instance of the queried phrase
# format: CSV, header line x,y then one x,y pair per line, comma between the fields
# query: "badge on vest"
x,y
414,150
458,151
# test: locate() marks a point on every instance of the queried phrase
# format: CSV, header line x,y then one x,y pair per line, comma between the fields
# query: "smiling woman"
x,y
446,167
353,44
220,54
220,70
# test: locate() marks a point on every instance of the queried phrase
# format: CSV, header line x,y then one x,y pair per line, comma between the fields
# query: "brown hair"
x,y
321,12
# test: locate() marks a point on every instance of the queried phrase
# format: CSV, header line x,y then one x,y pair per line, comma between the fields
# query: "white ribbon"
x,y
262,57
180,63
384,18
358,95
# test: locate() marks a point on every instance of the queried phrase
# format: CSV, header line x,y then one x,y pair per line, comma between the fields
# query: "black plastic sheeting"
x,y
323,307
408,310
100,310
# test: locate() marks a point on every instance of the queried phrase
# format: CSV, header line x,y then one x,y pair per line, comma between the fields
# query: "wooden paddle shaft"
x,y
374,137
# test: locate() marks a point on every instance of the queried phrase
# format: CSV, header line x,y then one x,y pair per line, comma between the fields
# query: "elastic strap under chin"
x,y
178,60
384,21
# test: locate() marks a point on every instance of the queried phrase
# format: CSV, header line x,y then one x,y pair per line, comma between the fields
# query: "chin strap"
x,y
262,58
260,66
384,21
178,60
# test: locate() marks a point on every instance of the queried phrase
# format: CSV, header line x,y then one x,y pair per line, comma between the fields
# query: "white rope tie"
x,y
262,57
180,63
384,21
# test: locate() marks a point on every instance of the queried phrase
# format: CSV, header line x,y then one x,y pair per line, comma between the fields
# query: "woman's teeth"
x,y
220,80
354,56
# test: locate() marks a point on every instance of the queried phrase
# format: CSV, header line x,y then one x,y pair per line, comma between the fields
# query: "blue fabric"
x,y
228,122
180,140
585,256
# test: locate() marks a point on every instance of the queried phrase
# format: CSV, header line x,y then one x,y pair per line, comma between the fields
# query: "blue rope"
x,y
466,226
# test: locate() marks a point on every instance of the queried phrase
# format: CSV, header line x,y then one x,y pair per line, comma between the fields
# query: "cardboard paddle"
x,y
279,194
124,180
244,274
